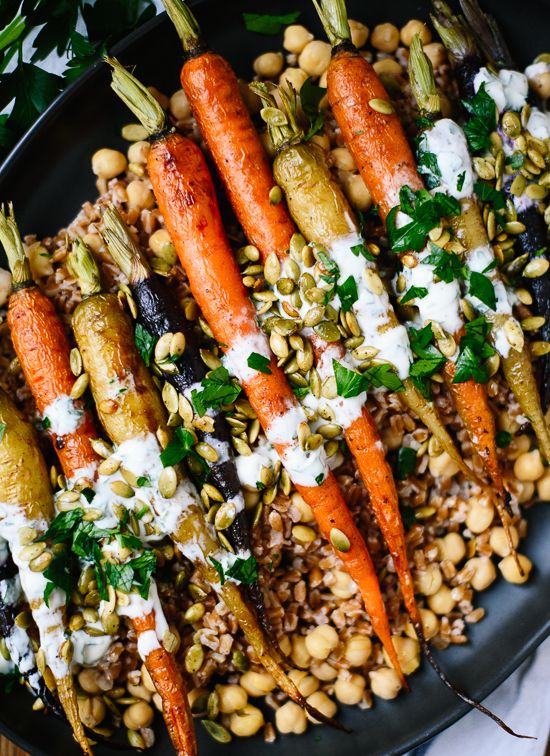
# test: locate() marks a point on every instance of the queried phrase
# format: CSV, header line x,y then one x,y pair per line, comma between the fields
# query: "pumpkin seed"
x,y
278,345
171,640
315,383
241,447
75,361
194,658
76,622
314,442
272,269
544,180
381,106
410,261
275,195
32,551
162,347
447,346
484,169
539,348
101,447
212,492
533,323
514,227
291,269
217,731
40,563
314,316
536,157
514,334
339,540
329,389
177,344
254,431
422,513
213,706
524,296
80,386
210,360
304,431
240,661
327,331
329,430
536,192
493,364
304,360
354,342
373,281
511,124
195,613
23,620
121,488
303,534
536,268
185,409
207,452
285,286
135,739
225,516
491,225
168,482
111,623
499,163
26,535
365,353
517,187
170,397
130,477
352,324
109,466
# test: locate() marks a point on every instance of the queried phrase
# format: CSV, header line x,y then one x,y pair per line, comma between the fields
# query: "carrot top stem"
x,y
138,99
124,251
282,123
186,25
422,80
84,268
487,34
454,33
11,241
334,17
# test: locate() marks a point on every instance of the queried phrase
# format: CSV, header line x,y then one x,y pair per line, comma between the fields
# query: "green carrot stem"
x,y
454,33
282,123
124,251
421,76
84,268
138,99
334,17
186,24
10,238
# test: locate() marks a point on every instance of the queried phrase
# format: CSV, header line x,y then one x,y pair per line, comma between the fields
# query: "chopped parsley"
x,y
347,293
319,478
311,95
503,439
331,276
218,390
265,23
447,265
481,286
482,121
46,423
243,570
425,212
137,572
181,445
258,362
145,343
429,168
515,160
415,292
406,462
488,193
474,350
460,181
362,249
429,358
350,383
300,391
143,481
88,493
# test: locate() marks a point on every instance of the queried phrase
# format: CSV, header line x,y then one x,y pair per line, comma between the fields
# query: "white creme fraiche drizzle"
x,y
63,416
49,619
446,140
508,89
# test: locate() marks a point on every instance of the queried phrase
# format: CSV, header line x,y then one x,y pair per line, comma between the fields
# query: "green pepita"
x,y
339,540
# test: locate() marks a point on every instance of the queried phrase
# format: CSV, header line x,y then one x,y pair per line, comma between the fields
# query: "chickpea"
x,y
139,195
517,446
385,37
388,66
430,625
543,486
499,542
323,671
428,580
412,27
385,683
359,33
323,83
5,286
147,680
303,509
541,84
291,718
232,698
293,76
88,679
485,572
442,602
138,152
179,106
393,439
358,650
321,641
91,710
528,466
257,683
138,715
451,547
40,261
436,52
344,587
442,466
510,572
140,691
315,57
269,65
296,38
408,653
306,684
357,192
161,246
340,158
322,703
506,422
246,722
480,515
526,491
108,163
300,655
322,141
349,688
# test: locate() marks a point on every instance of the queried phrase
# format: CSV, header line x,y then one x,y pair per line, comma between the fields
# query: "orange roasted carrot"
x,y
186,197
213,92
374,135
43,351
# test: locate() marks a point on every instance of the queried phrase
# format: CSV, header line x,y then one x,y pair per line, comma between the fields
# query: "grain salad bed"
x,y
457,546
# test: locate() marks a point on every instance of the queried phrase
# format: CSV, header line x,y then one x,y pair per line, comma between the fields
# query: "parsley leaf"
x,y
143,481
425,212
515,160
474,349
181,446
460,181
383,376
46,423
244,570
347,293
430,360
300,392
319,478
429,168
311,95
331,276
447,265
258,362
217,390
483,119
62,525
503,439
350,383
3,427
406,462
482,287
415,292
61,573
145,343
120,576
219,569
487,193
264,23
362,249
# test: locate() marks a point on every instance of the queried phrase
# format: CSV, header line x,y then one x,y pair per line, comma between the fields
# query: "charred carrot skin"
x,y
186,197
42,347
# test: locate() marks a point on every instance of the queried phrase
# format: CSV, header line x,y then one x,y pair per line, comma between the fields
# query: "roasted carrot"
x,y
105,336
185,194
27,502
375,138
213,92
42,346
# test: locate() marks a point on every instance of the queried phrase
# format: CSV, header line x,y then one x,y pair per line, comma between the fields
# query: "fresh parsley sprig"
x,y
425,211
218,390
311,95
350,383
429,359
243,570
473,352
482,121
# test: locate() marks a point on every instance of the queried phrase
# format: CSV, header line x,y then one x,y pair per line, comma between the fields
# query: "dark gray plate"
x,y
48,176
